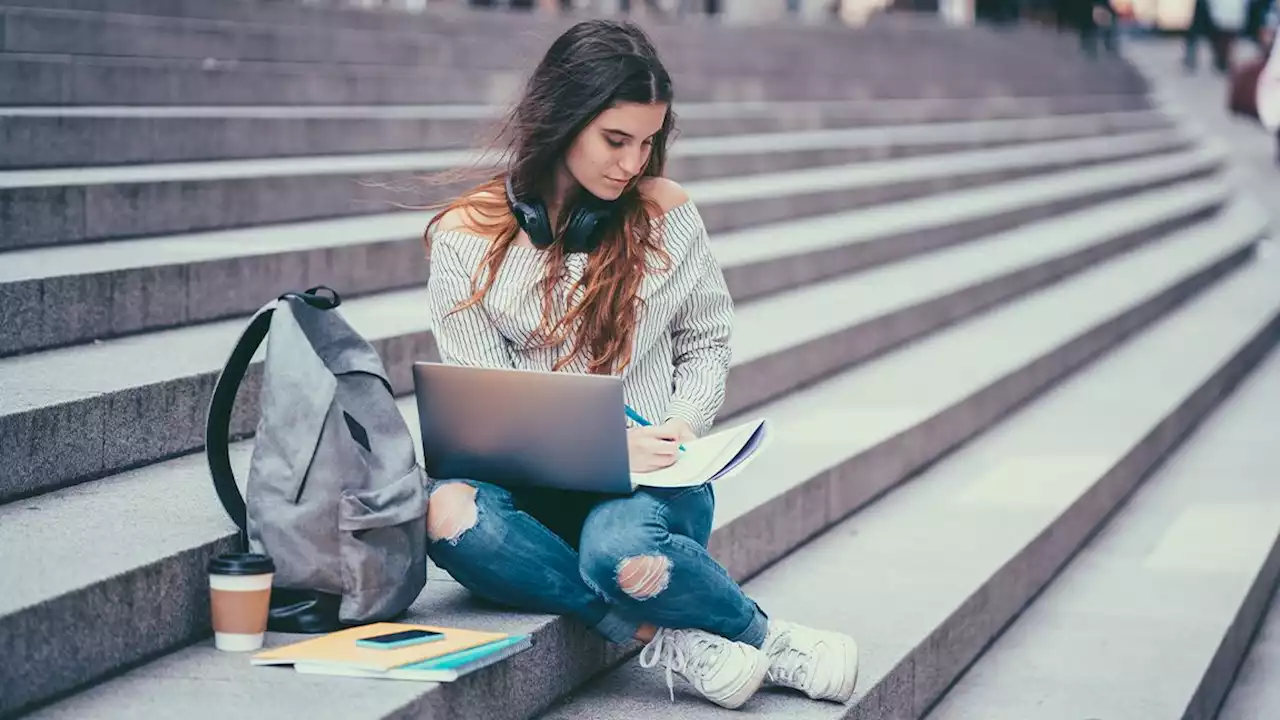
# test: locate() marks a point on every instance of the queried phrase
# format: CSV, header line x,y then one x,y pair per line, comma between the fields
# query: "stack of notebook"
x,y
446,659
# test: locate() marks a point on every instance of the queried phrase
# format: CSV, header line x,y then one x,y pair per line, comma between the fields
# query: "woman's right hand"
x,y
652,447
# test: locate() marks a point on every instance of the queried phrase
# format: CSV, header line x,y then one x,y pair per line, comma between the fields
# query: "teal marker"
x,y
639,419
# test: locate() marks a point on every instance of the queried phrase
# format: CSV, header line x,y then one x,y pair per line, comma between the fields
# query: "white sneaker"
x,y
819,663
727,673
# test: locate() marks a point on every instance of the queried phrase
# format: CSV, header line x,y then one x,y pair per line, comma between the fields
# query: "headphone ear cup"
x,y
582,233
532,217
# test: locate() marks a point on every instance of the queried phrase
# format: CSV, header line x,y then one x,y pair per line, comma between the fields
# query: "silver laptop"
x,y
523,427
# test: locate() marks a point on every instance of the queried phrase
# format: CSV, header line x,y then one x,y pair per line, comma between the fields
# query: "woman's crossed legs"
x,y
640,569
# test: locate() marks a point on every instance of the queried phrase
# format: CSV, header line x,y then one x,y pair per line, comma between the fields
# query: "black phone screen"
x,y
403,635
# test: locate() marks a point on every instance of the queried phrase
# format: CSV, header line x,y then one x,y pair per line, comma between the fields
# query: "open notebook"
x,y
709,458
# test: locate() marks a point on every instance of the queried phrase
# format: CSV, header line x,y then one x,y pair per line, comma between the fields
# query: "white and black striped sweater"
x,y
681,357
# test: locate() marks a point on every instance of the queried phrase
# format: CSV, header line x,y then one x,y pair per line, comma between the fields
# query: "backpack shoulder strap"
x,y
221,404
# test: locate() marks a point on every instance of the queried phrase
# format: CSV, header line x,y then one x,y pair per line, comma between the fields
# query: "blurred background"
x,y
1152,15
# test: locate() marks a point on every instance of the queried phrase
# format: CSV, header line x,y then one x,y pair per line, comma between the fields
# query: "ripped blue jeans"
x,y
613,563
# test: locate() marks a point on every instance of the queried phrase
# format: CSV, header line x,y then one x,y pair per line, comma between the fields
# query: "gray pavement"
x,y
1199,101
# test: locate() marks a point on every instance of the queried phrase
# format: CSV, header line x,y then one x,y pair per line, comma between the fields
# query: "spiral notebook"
x,y
710,458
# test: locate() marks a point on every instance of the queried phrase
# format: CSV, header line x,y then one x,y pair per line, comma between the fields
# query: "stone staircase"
x,y
1011,293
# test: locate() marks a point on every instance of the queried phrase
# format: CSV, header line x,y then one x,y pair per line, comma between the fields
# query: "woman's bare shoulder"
x,y
664,191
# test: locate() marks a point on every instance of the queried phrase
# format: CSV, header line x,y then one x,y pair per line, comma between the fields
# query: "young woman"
x,y
581,257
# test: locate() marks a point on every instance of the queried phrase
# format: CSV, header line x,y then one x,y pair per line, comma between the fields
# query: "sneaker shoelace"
x,y
791,665
689,655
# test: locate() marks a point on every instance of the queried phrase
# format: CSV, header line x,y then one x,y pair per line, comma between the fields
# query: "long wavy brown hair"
x,y
590,68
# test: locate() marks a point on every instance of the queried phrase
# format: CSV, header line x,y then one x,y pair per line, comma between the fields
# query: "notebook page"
x,y
702,459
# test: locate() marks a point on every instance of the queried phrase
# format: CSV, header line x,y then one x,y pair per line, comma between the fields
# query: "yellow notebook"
x,y
340,649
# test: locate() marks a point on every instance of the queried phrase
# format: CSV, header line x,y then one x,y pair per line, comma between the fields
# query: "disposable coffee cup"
x,y
240,598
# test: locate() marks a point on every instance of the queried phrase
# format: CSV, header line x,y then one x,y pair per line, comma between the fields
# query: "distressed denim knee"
x,y
630,563
640,553
502,554
465,526
451,511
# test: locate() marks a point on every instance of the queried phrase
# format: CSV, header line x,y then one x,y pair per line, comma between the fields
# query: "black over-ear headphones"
x,y
580,233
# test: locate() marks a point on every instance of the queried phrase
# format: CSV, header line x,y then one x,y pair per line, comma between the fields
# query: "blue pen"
x,y
638,418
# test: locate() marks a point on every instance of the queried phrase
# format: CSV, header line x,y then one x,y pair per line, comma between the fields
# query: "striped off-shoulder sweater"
x,y
681,353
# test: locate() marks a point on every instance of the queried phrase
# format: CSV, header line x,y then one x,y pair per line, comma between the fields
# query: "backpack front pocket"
x,y
382,537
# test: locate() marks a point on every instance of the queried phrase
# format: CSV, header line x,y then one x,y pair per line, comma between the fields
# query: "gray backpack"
x,y
335,495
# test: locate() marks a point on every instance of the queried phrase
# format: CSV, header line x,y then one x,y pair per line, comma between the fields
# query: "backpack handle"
x,y
218,422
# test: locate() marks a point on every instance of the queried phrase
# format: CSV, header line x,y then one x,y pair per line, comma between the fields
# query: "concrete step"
x,y
121,288
471,45
1255,693
1171,589
451,16
83,204
51,207
909,407
53,79
463,45
297,13
454,18
1027,43
366,15
90,136
926,576
151,403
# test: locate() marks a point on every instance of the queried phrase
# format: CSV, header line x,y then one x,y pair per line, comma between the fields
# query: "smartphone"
x,y
404,638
